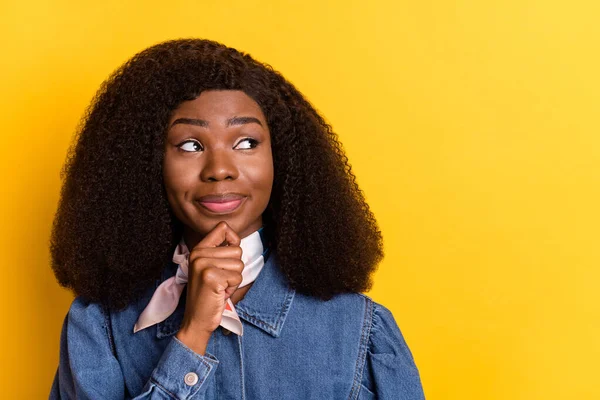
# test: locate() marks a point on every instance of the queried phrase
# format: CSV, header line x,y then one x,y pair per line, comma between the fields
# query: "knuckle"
x,y
238,251
197,263
239,264
223,225
209,275
238,278
195,254
193,266
199,251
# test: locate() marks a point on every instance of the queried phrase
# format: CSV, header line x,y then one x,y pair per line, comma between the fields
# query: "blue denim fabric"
x,y
294,347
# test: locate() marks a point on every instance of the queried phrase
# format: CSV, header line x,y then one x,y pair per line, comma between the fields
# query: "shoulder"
x,y
390,369
87,319
355,306
379,325
85,311
86,330
384,339
376,318
384,362
373,314
354,314
383,321
385,335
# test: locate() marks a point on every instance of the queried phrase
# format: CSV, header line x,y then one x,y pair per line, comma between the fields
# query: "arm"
x,y
88,368
390,371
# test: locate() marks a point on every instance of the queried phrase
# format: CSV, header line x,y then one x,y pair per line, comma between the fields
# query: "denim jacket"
x,y
294,347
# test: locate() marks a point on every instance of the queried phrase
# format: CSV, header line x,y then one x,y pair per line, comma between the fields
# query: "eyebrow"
x,y
230,122
190,121
242,121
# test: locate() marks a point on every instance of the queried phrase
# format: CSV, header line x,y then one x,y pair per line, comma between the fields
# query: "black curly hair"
x,y
114,232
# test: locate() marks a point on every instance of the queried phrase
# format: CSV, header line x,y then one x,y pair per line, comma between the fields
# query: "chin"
x,y
242,228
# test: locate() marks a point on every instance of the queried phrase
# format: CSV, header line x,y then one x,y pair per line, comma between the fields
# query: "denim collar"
x,y
265,305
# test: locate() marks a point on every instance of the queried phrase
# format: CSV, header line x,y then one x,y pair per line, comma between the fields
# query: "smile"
x,y
222,204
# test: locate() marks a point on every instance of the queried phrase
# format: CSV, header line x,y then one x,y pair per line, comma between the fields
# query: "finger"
x,y
221,280
229,264
217,252
222,233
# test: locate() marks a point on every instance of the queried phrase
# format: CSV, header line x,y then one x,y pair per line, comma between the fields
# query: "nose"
x,y
219,166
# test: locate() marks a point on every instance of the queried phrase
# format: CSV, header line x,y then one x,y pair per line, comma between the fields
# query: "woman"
x,y
217,242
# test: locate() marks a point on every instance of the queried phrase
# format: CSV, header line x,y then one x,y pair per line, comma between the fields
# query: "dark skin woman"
x,y
217,148
114,191
194,145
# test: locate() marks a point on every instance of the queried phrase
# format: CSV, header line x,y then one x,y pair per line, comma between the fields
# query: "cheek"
x,y
177,187
262,174
170,180
265,183
259,178
178,177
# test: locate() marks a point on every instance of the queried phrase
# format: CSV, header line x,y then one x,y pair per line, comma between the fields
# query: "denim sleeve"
x,y
88,368
390,370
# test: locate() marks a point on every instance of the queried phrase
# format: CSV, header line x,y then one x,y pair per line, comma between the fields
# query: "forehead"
x,y
218,104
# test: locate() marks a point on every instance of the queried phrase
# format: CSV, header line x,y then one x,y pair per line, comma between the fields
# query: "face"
x,y
218,164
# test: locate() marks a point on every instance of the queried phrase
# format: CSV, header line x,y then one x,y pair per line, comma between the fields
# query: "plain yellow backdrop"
x,y
473,129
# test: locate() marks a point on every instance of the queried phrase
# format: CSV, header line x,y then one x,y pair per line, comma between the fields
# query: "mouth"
x,y
222,203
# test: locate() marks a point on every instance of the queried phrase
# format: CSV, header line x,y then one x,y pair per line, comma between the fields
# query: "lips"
x,y
221,203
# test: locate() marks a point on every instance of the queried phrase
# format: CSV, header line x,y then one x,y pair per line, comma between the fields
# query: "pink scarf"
x,y
166,297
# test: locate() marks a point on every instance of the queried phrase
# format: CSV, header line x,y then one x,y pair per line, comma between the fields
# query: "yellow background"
x,y
473,128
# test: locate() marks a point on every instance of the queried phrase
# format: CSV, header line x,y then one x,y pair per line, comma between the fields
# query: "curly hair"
x,y
114,232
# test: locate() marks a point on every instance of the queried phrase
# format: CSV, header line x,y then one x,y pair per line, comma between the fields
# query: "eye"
x,y
246,144
190,146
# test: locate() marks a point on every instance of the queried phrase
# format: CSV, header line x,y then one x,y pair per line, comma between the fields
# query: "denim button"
x,y
190,379
226,332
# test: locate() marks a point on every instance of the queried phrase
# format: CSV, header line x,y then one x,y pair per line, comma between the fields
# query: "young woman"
x,y
217,242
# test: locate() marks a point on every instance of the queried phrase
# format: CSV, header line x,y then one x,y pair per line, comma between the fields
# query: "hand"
x,y
214,274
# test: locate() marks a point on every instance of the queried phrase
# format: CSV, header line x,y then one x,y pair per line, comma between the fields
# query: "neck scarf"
x,y
166,297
